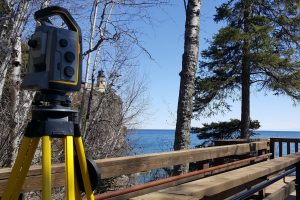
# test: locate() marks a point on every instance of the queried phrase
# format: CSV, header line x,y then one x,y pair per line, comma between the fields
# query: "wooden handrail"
x,y
113,167
280,141
292,140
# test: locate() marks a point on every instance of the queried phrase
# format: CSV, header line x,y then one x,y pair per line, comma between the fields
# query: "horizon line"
x,y
278,130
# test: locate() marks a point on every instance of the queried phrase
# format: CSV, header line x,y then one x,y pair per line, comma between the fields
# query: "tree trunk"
x,y
87,70
245,112
86,123
104,19
10,30
187,82
20,101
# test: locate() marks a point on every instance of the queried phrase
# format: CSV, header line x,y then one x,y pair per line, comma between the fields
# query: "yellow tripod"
x,y
48,122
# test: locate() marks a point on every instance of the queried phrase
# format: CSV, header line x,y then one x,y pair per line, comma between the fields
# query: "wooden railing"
x,y
238,184
113,167
291,145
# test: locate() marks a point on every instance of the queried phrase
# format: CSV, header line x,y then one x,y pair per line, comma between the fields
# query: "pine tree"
x,y
259,46
231,129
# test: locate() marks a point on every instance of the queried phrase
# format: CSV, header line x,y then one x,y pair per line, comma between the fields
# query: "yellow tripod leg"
x,y
78,193
69,162
20,168
83,168
46,166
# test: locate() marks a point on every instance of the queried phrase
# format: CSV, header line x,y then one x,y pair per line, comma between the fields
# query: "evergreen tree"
x,y
259,46
222,130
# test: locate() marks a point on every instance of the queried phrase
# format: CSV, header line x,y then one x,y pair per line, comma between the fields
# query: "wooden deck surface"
x,y
208,187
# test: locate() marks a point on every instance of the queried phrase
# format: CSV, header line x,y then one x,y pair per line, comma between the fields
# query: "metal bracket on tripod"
x,y
52,129
52,116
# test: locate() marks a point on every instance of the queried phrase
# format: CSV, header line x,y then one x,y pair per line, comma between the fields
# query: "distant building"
x,y
100,84
106,125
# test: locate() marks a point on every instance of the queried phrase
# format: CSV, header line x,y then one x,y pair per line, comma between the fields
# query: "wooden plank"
x,y
228,194
178,182
222,182
132,164
282,193
35,170
34,183
113,167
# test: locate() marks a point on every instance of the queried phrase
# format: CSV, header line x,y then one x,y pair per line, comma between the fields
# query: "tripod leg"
x,y
69,160
20,168
46,166
78,193
83,168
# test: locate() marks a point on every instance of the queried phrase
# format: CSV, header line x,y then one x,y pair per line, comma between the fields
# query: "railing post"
x,y
296,146
288,146
280,149
298,181
203,164
262,193
272,146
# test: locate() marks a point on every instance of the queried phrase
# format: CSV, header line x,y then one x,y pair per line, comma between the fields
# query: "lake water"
x,y
153,141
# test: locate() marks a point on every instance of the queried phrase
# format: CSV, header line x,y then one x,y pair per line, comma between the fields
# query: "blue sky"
x,y
164,40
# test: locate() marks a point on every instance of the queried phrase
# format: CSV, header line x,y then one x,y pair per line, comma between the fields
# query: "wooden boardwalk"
x,y
214,183
224,184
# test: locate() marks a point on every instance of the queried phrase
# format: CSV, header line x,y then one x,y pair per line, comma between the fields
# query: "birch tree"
x,y
102,27
15,103
187,79
112,28
12,24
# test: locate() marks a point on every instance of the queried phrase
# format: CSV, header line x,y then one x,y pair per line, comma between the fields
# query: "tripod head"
x,y
55,54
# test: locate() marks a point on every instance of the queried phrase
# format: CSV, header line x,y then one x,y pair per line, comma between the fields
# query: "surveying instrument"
x,y
54,70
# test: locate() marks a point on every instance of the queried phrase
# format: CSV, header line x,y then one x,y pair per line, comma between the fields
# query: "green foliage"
x,y
222,130
274,35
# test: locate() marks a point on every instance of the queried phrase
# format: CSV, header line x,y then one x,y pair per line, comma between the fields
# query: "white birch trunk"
x,y
88,59
87,70
102,27
20,113
15,25
90,99
14,90
187,82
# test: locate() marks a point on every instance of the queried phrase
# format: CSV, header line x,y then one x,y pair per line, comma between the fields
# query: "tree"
x,y
13,18
222,130
187,78
15,103
259,47
110,29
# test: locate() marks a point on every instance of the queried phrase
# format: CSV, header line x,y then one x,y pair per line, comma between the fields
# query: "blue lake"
x,y
152,141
